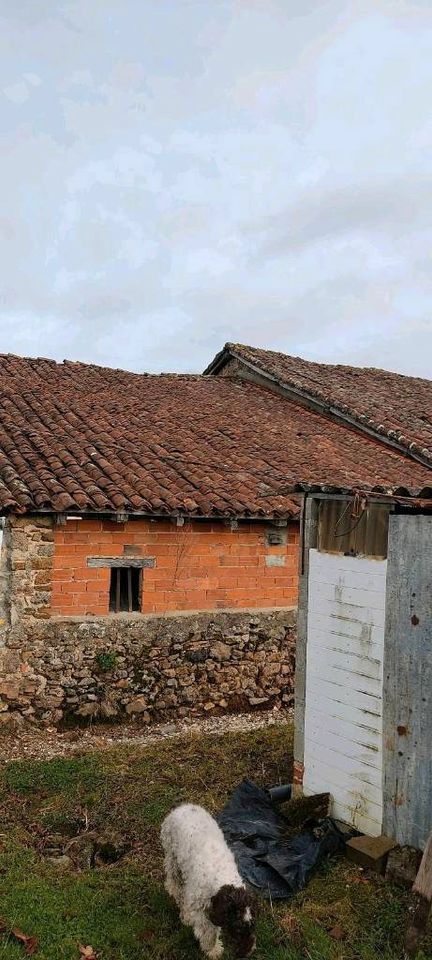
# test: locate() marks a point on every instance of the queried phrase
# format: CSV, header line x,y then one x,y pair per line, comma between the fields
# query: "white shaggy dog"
x,y
202,876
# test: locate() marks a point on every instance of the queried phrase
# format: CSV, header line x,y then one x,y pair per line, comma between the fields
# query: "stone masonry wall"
x,y
235,368
26,569
153,667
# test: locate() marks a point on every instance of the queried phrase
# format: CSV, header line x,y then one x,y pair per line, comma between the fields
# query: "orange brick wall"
x,y
200,566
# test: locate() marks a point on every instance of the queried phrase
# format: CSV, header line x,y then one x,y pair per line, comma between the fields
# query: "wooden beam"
x,y
308,540
423,888
423,880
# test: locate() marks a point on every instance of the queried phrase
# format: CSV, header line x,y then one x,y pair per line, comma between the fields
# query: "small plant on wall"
x,y
106,660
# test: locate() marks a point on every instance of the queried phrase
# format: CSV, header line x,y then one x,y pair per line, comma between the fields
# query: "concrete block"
x,y
275,560
370,852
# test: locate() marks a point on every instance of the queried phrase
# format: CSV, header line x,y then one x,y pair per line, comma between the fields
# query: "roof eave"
x,y
116,515
379,492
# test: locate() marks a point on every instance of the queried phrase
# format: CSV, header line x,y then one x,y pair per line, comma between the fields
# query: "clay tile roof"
x,y
81,438
393,406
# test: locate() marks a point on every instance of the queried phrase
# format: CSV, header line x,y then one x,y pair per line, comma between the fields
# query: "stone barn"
x,y
149,563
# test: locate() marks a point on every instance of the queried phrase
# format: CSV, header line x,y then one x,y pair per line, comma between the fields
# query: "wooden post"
x,y
423,888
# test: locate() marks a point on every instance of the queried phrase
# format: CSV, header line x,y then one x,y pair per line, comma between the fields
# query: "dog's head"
x,y
233,909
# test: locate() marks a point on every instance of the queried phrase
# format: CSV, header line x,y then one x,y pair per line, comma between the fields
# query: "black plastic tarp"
x,y
271,861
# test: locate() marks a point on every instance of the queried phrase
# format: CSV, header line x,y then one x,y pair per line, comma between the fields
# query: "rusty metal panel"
x,y
408,681
354,527
344,675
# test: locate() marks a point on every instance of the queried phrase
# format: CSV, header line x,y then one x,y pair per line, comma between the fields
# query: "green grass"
x,y
122,910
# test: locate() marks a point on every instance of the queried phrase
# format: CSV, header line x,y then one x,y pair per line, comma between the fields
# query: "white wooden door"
x,y
344,682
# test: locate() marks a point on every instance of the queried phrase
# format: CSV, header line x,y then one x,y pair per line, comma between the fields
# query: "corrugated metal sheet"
x,y
344,680
360,529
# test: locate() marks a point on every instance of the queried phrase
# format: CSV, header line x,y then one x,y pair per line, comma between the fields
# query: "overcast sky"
x,y
178,173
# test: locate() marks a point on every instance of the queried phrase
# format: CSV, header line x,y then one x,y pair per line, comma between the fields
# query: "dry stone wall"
x,y
151,667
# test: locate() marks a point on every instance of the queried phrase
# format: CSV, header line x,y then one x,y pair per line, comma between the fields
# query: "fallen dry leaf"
x,y
336,933
87,952
30,944
145,935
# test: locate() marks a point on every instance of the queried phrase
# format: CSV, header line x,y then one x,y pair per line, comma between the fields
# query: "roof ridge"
x,y
231,346
64,364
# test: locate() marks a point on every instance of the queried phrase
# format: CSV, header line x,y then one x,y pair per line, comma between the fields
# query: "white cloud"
x,y
175,175
17,92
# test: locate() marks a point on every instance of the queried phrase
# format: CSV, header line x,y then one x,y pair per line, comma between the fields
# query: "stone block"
x,y
87,710
220,651
9,661
370,852
402,865
108,709
137,706
10,690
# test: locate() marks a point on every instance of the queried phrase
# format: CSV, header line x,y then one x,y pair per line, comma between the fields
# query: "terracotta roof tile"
x,y
392,405
75,437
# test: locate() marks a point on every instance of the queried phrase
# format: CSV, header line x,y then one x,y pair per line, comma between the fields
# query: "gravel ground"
x,y
42,744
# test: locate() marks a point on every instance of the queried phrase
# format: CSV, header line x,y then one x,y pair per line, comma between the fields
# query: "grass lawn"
x,y
121,909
